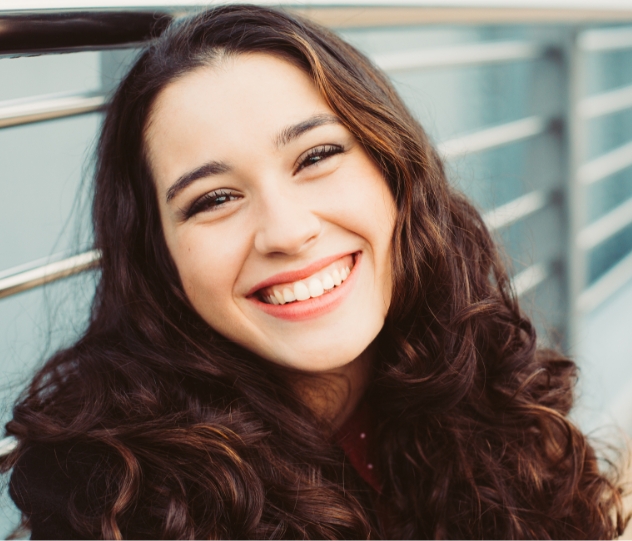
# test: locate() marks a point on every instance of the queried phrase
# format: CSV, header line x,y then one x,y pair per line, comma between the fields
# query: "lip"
x,y
317,306
296,275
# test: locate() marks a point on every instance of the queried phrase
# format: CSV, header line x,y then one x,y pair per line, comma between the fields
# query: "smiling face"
x,y
279,223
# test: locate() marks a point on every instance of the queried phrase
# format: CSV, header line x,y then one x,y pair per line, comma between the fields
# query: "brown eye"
x,y
317,155
210,201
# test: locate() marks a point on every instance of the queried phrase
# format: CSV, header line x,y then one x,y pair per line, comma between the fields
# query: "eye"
x,y
317,154
210,202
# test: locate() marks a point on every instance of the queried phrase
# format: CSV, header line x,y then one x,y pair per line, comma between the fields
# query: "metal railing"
x,y
28,29
584,236
43,108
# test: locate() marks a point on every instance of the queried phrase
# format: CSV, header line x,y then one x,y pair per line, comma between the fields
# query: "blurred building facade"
x,y
534,120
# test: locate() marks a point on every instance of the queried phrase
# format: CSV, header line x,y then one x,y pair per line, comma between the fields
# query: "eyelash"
x,y
322,152
211,200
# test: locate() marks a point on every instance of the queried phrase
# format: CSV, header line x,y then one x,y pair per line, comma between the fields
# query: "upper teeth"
x,y
311,287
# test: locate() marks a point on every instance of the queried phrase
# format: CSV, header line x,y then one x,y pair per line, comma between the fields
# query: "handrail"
x,y
48,107
23,281
36,33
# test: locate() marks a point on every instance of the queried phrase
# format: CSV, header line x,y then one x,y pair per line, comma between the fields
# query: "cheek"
x,y
366,207
208,267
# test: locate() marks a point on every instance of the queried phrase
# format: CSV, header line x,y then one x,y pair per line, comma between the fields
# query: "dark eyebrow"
x,y
206,170
292,132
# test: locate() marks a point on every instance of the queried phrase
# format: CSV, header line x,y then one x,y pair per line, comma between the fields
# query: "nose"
x,y
285,224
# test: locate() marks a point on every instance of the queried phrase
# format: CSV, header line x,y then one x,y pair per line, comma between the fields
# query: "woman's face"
x,y
279,223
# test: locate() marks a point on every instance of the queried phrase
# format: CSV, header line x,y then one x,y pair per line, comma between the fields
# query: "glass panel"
x,y
609,253
43,166
35,75
608,133
43,211
456,100
608,194
497,176
437,97
608,70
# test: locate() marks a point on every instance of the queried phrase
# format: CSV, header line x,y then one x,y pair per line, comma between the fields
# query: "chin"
x,y
320,357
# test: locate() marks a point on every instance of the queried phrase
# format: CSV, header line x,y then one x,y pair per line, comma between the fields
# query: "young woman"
x,y
301,330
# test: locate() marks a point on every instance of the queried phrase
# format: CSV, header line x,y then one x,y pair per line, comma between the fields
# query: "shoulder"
x,y
49,480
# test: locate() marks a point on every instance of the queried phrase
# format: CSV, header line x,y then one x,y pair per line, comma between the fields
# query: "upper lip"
x,y
296,275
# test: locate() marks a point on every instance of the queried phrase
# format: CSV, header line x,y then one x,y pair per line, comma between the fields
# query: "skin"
x,y
280,209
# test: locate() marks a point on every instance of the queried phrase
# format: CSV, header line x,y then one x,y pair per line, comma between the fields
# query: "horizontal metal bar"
x,y
40,108
605,227
606,103
460,55
606,165
7,445
540,5
610,39
494,137
530,278
45,274
517,209
28,33
606,286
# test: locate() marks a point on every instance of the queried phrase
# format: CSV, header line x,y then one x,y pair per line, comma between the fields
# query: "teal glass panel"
x,y
609,193
609,253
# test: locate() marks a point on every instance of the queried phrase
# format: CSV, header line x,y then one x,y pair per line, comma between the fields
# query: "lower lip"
x,y
316,307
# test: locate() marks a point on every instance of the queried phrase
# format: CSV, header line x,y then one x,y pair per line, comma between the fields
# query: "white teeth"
x,y
279,296
315,287
288,295
301,292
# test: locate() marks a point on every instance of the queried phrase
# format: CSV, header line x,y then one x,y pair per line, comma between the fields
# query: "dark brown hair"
x,y
201,438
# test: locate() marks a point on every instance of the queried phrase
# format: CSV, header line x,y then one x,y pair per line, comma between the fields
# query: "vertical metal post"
x,y
576,260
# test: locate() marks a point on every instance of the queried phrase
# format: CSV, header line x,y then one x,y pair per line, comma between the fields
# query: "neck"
x,y
334,395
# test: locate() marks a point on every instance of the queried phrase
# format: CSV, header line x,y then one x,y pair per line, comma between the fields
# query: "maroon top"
x,y
356,437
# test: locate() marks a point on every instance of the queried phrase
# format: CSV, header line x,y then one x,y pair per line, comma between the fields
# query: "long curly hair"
x,y
200,438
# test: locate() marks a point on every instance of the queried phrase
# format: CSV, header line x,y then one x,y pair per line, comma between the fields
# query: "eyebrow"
x,y
217,168
206,170
293,132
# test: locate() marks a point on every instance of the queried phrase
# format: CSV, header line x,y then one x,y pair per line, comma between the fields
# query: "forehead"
x,y
241,96
227,112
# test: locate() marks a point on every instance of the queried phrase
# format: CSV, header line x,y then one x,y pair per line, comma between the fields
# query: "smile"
x,y
319,283
313,293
